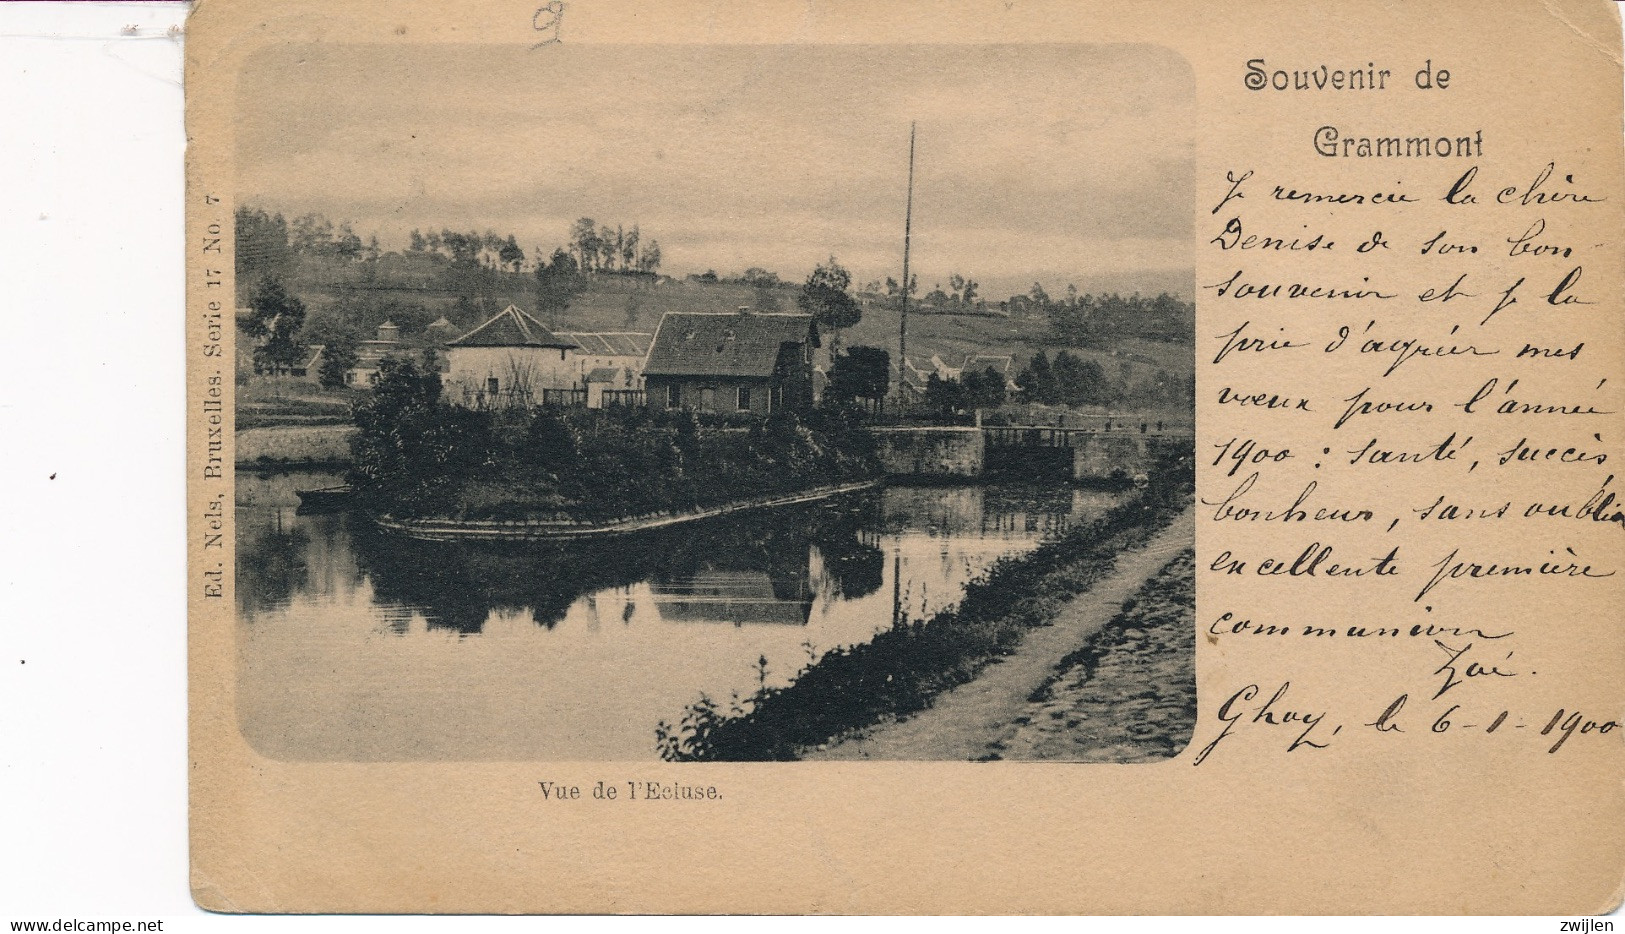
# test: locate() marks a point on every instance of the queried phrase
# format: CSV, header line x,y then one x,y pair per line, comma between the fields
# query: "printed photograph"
x,y
715,403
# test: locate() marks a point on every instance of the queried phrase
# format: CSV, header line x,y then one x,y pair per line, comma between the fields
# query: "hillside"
x,y
413,289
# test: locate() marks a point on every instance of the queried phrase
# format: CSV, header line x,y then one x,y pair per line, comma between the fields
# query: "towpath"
x,y
970,721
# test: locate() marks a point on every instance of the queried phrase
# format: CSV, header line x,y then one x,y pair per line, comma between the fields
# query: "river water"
x,y
357,645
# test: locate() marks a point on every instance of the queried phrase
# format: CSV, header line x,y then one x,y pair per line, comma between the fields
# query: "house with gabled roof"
x,y
731,362
510,359
915,377
1001,364
441,330
309,367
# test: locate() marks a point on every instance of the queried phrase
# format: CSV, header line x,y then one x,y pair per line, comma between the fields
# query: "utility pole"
x,y
908,223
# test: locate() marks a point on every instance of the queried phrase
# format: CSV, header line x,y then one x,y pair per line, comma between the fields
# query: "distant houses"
x,y
1001,364
738,362
441,330
370,353
917,375
309,366
306,368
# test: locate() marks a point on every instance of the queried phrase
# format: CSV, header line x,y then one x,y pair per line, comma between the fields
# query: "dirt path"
x,y
1130,693
966,722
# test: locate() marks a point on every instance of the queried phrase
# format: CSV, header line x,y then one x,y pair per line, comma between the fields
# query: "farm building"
x,y
1001,364
511,359
609,365
370,353
732,362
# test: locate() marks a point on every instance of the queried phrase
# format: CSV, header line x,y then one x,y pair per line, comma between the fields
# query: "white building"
x,y
512,359
609,361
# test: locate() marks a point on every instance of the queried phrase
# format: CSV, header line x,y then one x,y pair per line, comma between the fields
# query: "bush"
x,y
417,457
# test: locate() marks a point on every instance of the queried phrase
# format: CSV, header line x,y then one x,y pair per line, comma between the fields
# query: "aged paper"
x,y
710,457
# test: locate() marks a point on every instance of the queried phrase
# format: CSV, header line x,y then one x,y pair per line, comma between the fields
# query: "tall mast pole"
x,y
908,223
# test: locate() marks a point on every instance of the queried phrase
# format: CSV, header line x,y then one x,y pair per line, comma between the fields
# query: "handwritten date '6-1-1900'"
x,y
1277,711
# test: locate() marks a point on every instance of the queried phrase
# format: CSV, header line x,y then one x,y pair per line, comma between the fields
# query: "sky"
x,y
1049,163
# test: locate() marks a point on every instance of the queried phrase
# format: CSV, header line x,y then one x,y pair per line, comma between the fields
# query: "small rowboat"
x,y
327,499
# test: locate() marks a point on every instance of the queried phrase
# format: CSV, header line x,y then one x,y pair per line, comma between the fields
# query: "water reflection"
x,y
360,645
734,570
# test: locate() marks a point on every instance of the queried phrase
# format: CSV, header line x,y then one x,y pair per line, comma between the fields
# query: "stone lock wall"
x,y
931,452
1101,456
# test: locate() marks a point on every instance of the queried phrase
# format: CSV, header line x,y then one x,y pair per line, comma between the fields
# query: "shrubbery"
x,y
416,456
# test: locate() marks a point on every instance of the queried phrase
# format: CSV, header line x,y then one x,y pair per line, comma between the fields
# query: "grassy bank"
x,y
285,446
903,668
264,403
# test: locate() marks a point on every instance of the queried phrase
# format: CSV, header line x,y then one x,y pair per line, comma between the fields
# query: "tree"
x,y
1080,381
606,249
1093,386
964,288
1065,369
275,316
584,243
464,249
337,360
312,235
629,248
511,255
262,246
759,278
1038,381
826,298
557,281
1166,318
944,396
984,389
411,454
431,371
650,260
347,245
859,373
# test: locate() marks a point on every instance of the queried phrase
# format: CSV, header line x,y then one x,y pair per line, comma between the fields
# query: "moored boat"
x,y
326,499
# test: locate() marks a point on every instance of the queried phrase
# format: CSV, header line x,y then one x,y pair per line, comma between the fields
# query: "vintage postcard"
x,y
981,458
